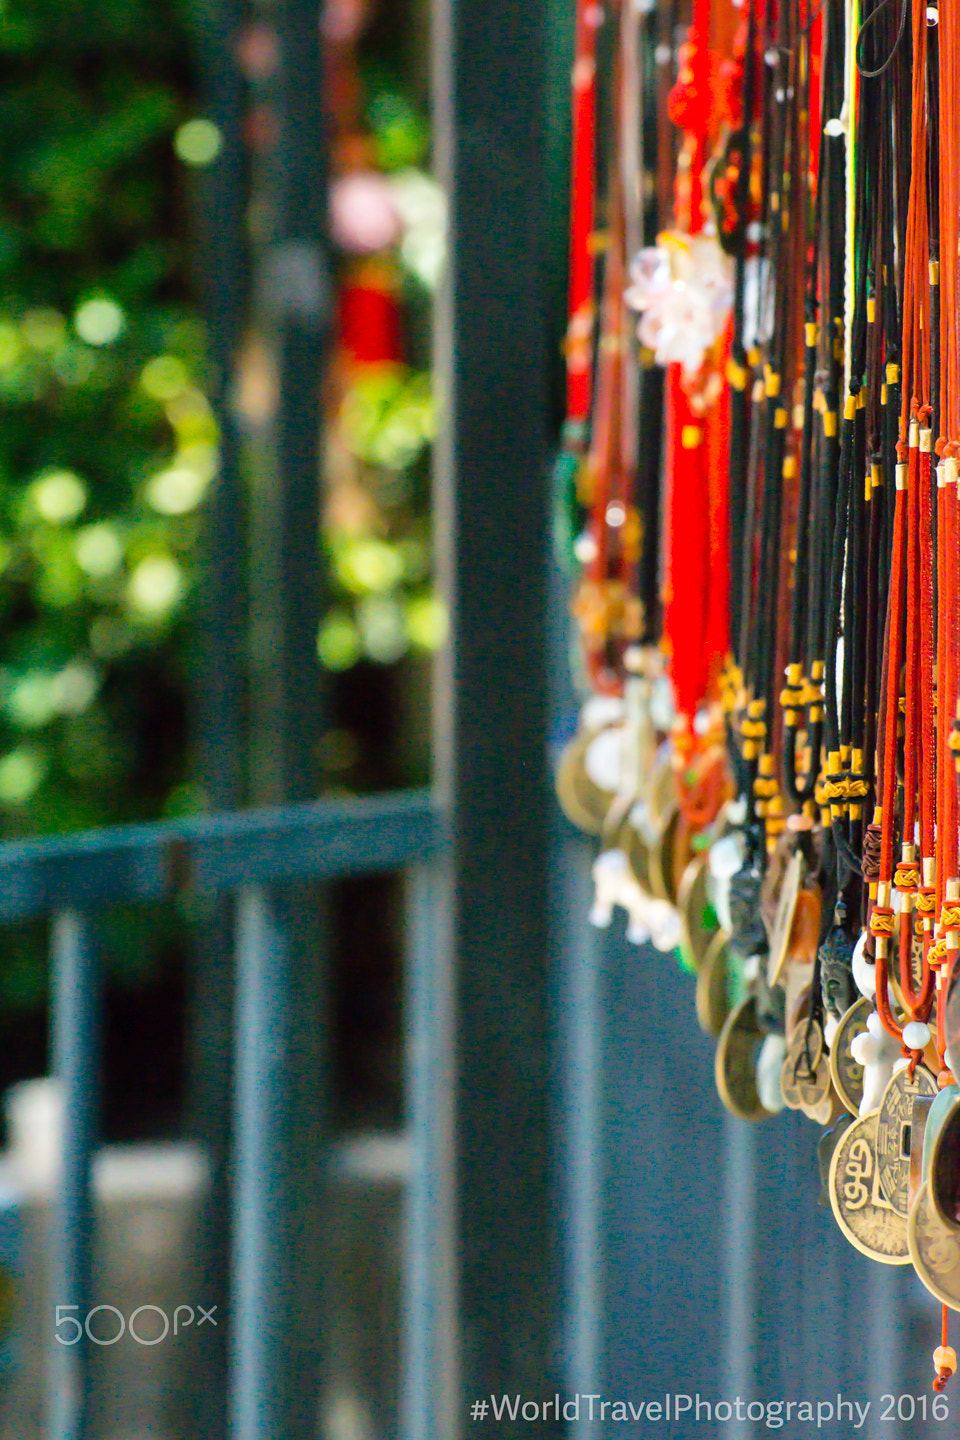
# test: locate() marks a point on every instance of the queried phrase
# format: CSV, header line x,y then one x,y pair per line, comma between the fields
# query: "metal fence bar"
x,y
274,1362
218,688
218,853
76,1049
428,1402
491,516
580,1098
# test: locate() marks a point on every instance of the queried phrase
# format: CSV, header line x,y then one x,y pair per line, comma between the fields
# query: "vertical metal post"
x,y
580,1177
577,1027
275,1315
224,281
428,1361
276,1350
491,514
286,578
739,1250
218,701
76,1051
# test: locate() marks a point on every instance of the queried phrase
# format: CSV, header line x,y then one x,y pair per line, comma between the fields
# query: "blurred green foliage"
x,y
106,440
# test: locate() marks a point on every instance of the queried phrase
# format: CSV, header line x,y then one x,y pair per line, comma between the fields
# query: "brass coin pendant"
x,y
826,1145
816,1093
735,1063
943,1178
584,805
692,902
662,857
846,1074
940,1108
634,846
865,1217
801,1064
894,1122
934,1250
951,1019
712,1004
918,1128
783,919
661,793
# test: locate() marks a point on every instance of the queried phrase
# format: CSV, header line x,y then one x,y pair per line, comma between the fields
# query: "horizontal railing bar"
x,y
324,839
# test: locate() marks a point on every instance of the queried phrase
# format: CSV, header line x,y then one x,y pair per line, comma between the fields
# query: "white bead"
x,y
751,968
875,1025
916,1035
834,128
864,974
830,1027
945,1358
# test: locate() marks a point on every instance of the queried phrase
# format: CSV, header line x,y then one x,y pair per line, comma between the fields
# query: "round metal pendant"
x,y
826,1146
894,1122
692,902
800,1079
663,858
584,805
918,1129
940,1108
816,1093
662,788
735,1063
951,1016
634,846
712,1003
943,1177
934,1250
865,1217
782,921
846,1074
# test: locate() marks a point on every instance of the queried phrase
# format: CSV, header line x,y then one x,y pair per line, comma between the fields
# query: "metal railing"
x,y
478,1200
240,854
579,1219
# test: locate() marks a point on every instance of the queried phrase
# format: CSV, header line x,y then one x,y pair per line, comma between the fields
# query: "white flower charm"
x,y
769,1066
684,291
647,918
725,858
878,1053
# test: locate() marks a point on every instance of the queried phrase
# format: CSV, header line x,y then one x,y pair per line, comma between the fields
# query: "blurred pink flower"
x,y
684,293
363,216
343,20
